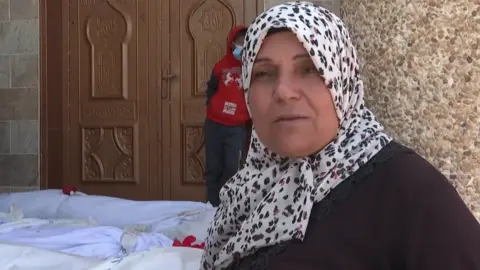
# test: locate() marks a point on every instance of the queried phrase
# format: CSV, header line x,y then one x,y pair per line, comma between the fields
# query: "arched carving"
x,y
108,32
209,25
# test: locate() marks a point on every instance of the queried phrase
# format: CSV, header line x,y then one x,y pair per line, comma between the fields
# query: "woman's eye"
x,y
309,70
260,74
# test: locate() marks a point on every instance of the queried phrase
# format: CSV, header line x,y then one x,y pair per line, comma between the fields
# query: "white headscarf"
x,y
269,201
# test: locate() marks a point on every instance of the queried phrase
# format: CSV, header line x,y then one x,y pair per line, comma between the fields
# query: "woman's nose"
x,y
286,89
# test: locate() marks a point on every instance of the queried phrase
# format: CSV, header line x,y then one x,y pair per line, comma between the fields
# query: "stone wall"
x,y
19,129
421,65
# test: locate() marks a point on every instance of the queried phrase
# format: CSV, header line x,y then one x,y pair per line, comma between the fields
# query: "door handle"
x,y
166,77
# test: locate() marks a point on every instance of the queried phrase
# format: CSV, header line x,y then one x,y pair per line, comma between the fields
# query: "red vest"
x,y
228,106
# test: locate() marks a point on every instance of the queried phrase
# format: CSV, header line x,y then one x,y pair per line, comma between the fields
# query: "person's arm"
x,y
212,86
440,231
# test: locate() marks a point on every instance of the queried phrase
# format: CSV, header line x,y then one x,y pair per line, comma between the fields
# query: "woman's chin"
x,y
295,149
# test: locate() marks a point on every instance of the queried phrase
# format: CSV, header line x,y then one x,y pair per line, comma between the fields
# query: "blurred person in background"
x,y
227,117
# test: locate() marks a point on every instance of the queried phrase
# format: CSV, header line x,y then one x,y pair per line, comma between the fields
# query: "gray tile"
x,y
19,170
4,137
24,70
5,189
19,104
4,10
23,189
24,137
23,9
4,71
19,36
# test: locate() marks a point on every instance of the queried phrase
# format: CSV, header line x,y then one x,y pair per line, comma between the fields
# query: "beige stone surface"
x,y
421,65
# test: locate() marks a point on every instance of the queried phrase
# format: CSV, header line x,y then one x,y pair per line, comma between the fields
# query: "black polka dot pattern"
x,y
269,201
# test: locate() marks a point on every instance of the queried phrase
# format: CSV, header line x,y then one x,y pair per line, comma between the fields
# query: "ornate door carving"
x,y
133,107
198,35
112,145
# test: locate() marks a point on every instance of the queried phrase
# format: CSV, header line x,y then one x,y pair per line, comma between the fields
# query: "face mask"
x,y
237,52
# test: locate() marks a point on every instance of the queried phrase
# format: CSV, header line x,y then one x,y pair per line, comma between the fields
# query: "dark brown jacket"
x,y
396,213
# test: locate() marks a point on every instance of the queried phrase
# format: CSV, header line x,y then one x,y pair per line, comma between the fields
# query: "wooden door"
x,y
197,40
112,109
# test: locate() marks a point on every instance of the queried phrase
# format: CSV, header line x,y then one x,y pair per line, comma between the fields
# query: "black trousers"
x,y
223,150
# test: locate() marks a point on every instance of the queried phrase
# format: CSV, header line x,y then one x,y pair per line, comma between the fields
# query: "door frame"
x,y
53,20
54,24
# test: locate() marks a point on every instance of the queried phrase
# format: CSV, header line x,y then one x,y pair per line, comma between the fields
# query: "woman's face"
x,y
291,106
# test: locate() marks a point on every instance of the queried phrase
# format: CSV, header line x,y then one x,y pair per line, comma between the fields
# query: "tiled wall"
x,y
19,80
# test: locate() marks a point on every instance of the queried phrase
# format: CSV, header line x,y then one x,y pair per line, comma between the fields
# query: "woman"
x,y
323,187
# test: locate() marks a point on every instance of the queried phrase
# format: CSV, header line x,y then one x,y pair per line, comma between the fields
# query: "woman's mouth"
x,y
290,118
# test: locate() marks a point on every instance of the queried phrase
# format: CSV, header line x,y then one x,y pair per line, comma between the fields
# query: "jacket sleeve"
x,y
212,86
440,232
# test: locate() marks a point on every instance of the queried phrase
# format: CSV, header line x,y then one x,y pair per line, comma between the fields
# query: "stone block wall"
x,y
19,80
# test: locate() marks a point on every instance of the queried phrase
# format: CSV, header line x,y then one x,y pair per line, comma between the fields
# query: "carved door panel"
x,y
198,35
111,141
